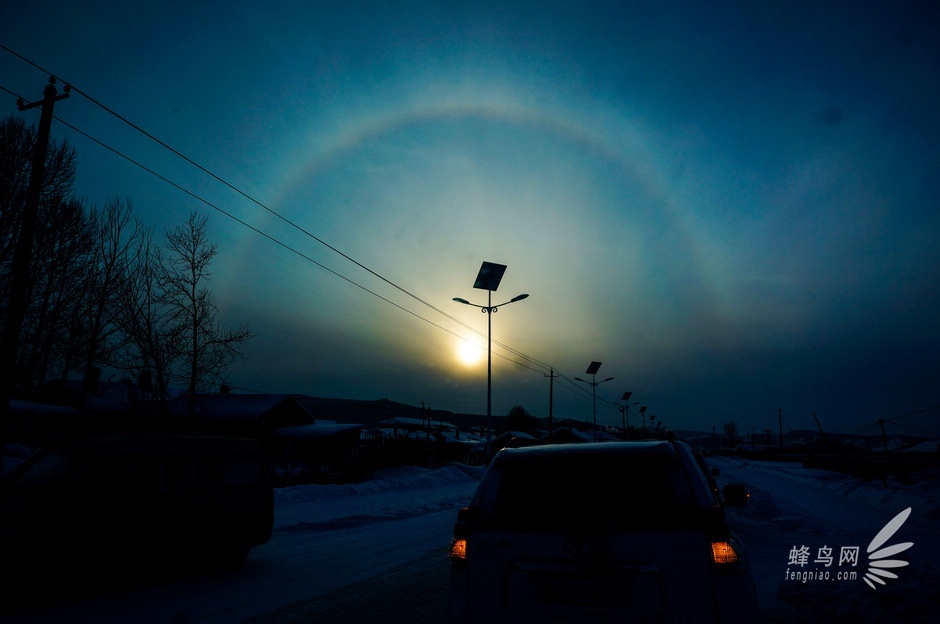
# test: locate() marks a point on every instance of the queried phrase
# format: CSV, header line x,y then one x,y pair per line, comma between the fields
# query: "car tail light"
x,y
458,550
724,553
466,518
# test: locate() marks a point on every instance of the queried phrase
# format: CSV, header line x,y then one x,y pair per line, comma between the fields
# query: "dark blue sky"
x,y
732,205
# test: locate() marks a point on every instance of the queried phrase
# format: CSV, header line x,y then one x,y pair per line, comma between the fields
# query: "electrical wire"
x,y
538,365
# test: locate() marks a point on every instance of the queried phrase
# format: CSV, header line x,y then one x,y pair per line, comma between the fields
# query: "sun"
x,y
469,353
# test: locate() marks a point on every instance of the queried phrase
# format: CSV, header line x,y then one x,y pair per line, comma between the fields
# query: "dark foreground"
x,y
415,593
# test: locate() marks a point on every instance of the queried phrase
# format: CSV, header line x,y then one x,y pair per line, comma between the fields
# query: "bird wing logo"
x,y
879,561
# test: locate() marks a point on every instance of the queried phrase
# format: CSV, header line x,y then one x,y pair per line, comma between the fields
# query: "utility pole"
x,y
822,434
780,424
22,254
551,384
426,421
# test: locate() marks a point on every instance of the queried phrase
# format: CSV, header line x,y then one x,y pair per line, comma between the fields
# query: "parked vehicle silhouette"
x,y
138,501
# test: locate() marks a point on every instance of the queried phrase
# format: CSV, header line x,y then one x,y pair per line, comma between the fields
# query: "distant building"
x,y
302,449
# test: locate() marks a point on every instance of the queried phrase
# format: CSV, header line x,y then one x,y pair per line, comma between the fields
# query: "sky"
x,y
731,205
331,541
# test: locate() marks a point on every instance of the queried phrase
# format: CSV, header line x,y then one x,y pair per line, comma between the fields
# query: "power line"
x,y
16,95
276,214
917,430
915,413
276,241
248,225
307,233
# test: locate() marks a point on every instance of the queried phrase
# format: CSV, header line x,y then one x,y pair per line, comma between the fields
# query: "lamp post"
x,y
625,411
488,279
592,371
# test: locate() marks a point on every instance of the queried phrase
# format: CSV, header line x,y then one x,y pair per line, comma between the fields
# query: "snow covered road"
x,y
792,507
379,545
325,538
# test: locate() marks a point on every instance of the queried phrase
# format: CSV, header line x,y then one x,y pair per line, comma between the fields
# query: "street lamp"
x,y
625,411
592,371
488,279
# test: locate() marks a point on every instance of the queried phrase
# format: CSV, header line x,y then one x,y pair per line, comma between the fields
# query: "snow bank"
x,y
391,494
922,495
793,507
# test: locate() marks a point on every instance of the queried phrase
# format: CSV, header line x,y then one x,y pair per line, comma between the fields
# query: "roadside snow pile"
x,y
426,490
796,511
923,495
403,479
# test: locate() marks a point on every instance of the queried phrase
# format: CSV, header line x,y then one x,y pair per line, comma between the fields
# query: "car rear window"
x,y
641,492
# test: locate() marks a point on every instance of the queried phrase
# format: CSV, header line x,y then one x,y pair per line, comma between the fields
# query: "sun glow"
x,y
469,353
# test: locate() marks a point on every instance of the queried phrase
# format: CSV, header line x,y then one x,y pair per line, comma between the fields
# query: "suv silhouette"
x,y
608,531
138,500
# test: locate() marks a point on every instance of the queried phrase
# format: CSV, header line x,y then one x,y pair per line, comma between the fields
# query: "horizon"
x,y
874,431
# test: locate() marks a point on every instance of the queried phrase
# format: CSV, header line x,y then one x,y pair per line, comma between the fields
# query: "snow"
x,y
328,537
391,494
792,507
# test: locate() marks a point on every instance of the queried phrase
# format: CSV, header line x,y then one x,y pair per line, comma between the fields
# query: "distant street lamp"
x,y
488,279
592,371
625,411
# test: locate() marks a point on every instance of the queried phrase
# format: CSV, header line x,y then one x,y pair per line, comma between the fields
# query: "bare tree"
x,y
519,419
100,293
16,148
115,245
53,323
211,348
153,341
57,250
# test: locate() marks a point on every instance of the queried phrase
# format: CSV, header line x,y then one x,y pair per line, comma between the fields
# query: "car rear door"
x,y
653,577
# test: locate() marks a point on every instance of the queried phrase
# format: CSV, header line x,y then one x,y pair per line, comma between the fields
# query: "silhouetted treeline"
x,y
102,295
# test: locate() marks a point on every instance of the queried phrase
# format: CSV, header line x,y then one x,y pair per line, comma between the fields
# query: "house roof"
x,y
315,430
44,409
416,423
243,407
